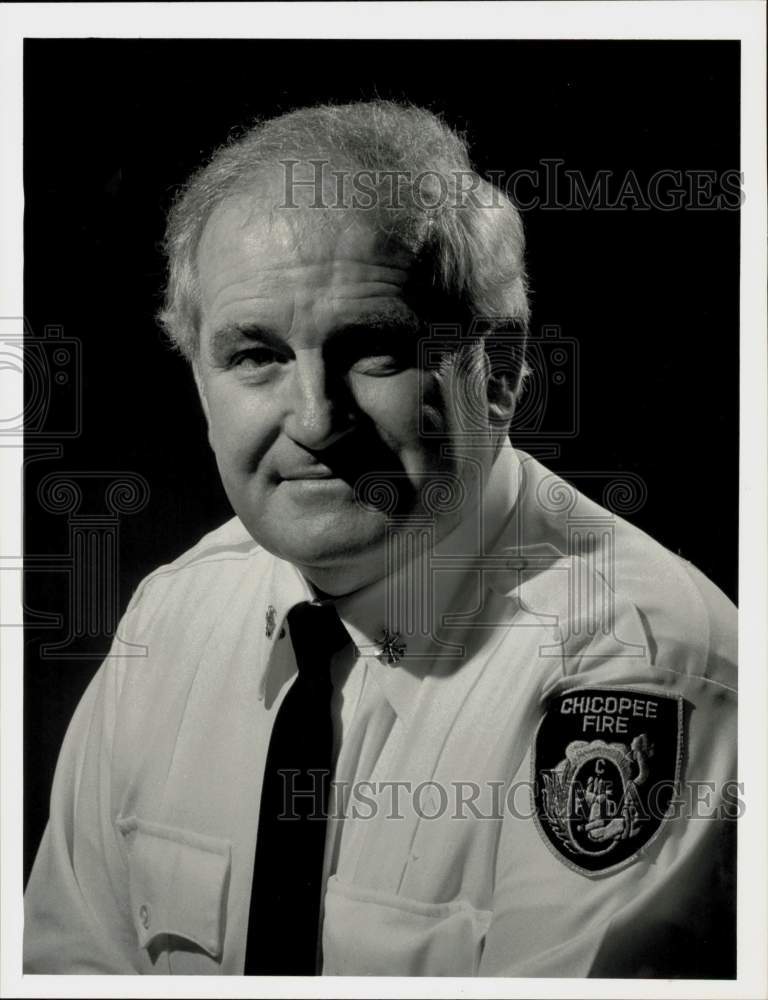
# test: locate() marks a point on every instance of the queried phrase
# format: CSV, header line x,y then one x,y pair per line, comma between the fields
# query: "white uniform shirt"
x,y
438,866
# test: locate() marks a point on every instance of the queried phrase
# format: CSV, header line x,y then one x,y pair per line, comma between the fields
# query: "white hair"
x,y
466,233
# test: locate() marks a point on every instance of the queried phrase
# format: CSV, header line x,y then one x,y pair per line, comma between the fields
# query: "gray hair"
x,y
422,189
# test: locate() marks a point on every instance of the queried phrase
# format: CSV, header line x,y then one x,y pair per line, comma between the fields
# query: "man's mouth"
x,y
315,486
309,472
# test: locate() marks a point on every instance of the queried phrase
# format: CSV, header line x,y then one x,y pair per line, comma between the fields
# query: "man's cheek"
x,y
230,429
392,401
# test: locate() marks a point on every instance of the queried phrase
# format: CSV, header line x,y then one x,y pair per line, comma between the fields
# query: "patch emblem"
x,y
606,765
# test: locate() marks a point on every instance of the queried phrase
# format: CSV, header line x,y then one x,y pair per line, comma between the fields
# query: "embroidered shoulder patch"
x,y
606,764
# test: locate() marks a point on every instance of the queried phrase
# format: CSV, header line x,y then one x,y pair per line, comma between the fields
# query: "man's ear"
x,y
501,398
507,371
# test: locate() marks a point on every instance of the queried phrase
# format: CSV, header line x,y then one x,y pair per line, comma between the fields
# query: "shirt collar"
x,y
411,603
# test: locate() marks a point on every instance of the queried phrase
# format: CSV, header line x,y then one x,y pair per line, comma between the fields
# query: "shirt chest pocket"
x,y
367,932
178,883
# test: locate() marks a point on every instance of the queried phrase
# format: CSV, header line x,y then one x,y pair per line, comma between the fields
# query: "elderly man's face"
x,y
309,374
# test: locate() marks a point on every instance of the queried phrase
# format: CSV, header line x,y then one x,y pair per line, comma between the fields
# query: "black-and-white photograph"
x,y
381,506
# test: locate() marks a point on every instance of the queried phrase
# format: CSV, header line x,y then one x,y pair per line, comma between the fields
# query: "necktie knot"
x,y
316,635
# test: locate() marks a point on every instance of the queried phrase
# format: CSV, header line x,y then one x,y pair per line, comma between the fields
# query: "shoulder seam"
x,y
170,569
698,677
699,601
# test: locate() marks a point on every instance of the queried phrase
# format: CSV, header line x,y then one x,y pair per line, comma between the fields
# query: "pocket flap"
x,y
367,932
177,883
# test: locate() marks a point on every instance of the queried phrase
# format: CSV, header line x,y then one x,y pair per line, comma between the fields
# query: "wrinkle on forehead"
x,y
247,252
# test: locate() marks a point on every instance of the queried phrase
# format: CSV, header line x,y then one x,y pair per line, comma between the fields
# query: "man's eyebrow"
x,y
379,322
226,336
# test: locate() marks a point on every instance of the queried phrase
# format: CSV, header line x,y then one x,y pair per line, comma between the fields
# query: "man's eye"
x,y
379,364
385,359
254,357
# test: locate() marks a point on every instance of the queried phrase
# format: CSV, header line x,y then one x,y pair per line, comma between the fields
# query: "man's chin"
x,y
324,541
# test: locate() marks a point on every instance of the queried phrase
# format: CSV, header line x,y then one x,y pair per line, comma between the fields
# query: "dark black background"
x,y
651,297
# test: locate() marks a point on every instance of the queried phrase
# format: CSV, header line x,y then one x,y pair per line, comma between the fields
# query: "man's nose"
x,y
318,409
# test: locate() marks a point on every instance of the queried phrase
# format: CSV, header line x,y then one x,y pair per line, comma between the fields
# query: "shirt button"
x,y
144,916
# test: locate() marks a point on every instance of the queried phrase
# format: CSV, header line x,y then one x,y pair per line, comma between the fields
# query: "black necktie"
x,y
286,894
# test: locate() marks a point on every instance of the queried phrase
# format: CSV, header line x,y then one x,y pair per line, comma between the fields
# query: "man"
x,y
513,690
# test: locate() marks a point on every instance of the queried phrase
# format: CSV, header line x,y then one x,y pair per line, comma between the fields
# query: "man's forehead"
x,y
250,226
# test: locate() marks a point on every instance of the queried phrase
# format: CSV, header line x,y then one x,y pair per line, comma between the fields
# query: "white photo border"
x,y
743,20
